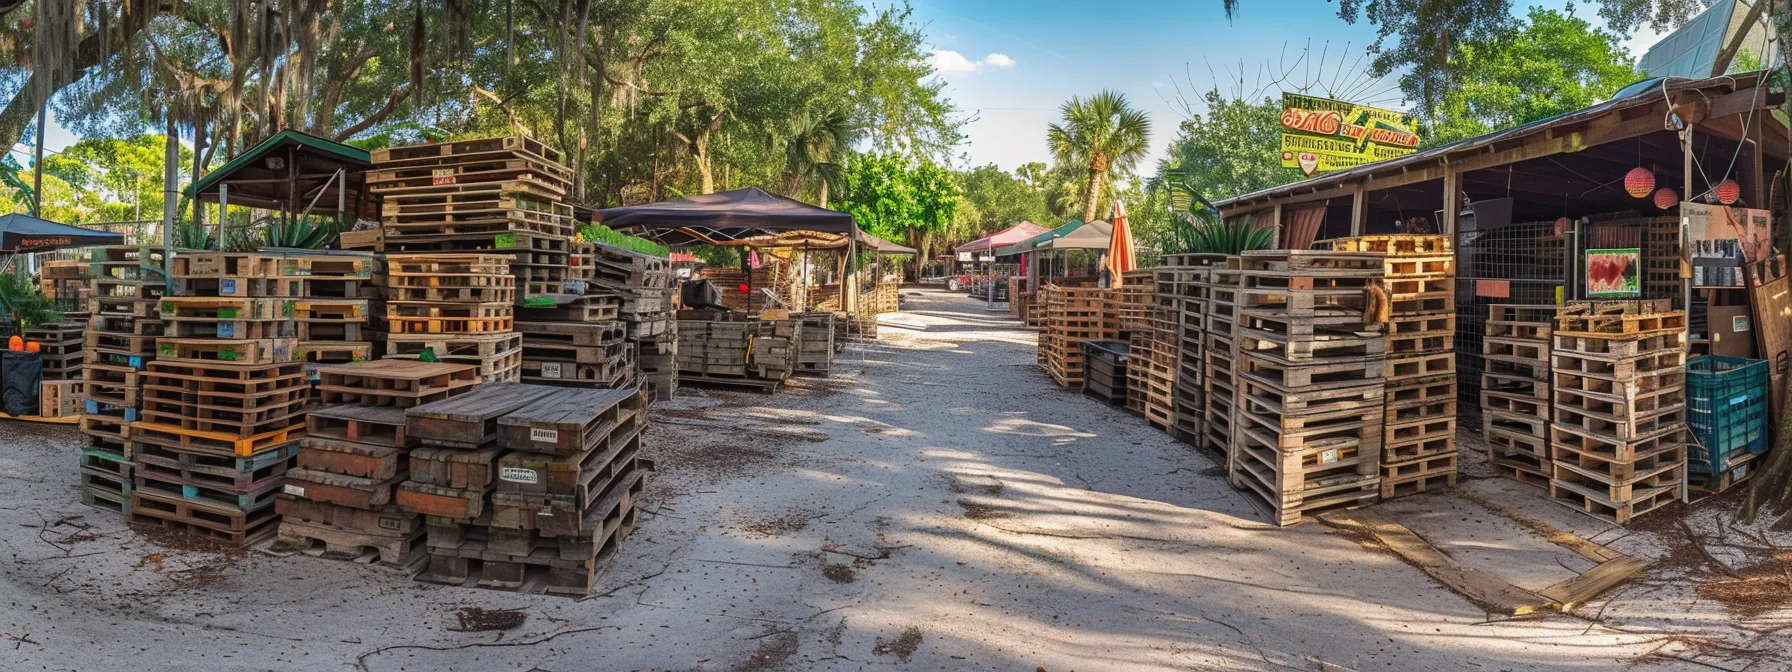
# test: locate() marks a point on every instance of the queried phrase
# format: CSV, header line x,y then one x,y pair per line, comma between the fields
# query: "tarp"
x,y
1033,243
1003,238
1092,236
24,233
723,217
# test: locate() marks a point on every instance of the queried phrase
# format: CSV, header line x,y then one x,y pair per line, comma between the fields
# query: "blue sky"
x,y
1009,64
1049,50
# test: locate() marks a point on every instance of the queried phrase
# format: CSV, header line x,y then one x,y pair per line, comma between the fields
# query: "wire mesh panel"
x,y
1517,264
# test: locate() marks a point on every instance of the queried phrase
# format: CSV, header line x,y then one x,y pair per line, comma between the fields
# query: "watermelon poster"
x,y
1614,274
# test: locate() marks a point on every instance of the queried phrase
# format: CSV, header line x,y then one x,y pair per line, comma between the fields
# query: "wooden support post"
x,y
1359,209
1452,203
1276,215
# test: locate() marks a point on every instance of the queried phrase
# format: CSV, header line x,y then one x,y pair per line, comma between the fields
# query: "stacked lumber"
x,y
123,323
457,308
1418,451
1220,365
338,501
1073,315
774,352
1618,439
1516,406
496,196
1307,427
815,350
62,345
526,488
222,403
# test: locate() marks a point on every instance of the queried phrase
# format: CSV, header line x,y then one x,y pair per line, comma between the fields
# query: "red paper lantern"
x,y
1666,198
1728,191
1562,224
1639,182
743,288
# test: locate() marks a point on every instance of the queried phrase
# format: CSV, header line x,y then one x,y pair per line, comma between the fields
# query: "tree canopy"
x,y
1555,63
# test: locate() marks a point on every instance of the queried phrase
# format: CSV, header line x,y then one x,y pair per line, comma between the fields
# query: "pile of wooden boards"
x,y
1619,435
1418,451
815,350
1307,425
123,323
338,502
457,308
222,406
1516,405
525,487
1073,315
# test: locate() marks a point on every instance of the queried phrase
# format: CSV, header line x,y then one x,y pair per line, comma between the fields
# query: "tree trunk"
x,y
199,157
824,193
1094,197
170,182
701,147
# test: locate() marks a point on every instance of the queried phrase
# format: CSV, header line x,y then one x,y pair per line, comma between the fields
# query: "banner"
x,y
1321,134
1614,274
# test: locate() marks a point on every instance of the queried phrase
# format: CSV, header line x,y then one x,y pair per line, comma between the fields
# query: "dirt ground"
x,y
935,504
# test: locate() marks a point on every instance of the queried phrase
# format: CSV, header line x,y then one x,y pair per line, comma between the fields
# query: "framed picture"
x,y
1614,274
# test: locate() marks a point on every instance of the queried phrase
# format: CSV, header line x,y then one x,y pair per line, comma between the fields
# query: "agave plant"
x,y
1196,225
192,236
300,233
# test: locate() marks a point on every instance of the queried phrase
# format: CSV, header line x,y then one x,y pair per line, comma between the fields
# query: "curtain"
x,y
1303,228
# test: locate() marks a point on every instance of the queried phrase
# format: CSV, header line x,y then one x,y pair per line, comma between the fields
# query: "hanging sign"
x,y
1321,134
1614,274
1715,232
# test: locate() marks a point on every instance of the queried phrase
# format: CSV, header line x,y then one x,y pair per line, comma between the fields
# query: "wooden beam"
x,y
1452,204
1743,101
1359,210
1323,194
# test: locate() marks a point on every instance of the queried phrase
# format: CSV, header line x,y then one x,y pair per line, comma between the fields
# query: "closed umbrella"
x,y
1120,256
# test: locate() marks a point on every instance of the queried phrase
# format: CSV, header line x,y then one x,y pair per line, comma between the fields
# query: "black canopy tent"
x,y
733,218
24,233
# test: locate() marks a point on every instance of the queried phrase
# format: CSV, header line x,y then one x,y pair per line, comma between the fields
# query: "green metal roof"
x,y
1033,243
281,139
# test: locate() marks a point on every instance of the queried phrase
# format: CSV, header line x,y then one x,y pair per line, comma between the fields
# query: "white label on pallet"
x,y
293,490
547,435
1328,456
518,475
550,369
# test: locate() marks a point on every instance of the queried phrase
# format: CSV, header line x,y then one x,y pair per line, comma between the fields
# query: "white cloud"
x,y
951,63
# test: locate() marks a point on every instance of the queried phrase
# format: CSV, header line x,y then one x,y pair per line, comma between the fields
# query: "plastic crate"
x,y
1726,401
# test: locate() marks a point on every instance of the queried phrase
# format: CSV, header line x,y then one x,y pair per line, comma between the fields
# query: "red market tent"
x,y
1003,238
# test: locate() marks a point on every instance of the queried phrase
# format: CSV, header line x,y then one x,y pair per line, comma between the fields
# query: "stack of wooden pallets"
x,y
222,407
335,306
123,323
1418,451
525,487
1137,310
1619,436
458,308
774,352
587,354
1184,283
1516,406
1307,428
338,501
491,195
1220,365
1073,315
722,352
65,283
62,345
815,350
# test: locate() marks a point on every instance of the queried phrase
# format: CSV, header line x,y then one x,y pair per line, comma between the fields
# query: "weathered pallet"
x,y
231,525
1594,504
218,443
359,492
1411,367
471,420
372,425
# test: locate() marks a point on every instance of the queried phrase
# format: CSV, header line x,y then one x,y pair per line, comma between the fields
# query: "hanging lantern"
x,y
1728,191
1639,182
1666,198
1562,224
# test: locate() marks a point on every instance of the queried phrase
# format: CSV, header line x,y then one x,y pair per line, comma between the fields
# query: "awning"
x,y
1033,243
1091,236
816,240
1003,238
290,172
24,233
723,218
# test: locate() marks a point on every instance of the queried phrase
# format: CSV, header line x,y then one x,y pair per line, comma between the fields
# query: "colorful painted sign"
x,y
1614,274
1321,134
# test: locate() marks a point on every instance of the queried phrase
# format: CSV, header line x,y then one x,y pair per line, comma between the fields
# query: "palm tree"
x,y
815,150
1103,132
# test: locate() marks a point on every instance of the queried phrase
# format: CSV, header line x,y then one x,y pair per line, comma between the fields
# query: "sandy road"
x,y
935,504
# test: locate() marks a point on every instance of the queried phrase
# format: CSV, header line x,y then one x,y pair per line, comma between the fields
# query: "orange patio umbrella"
x,y
1120,256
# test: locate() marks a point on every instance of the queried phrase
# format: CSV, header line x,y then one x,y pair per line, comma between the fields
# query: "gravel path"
x,y
935,504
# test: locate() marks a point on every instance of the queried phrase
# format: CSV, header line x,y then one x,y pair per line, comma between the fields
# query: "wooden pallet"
x,y
233,351
229,525
393,382
1394,244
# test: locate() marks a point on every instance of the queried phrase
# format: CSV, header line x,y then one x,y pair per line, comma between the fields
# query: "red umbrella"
x,y
1120,256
